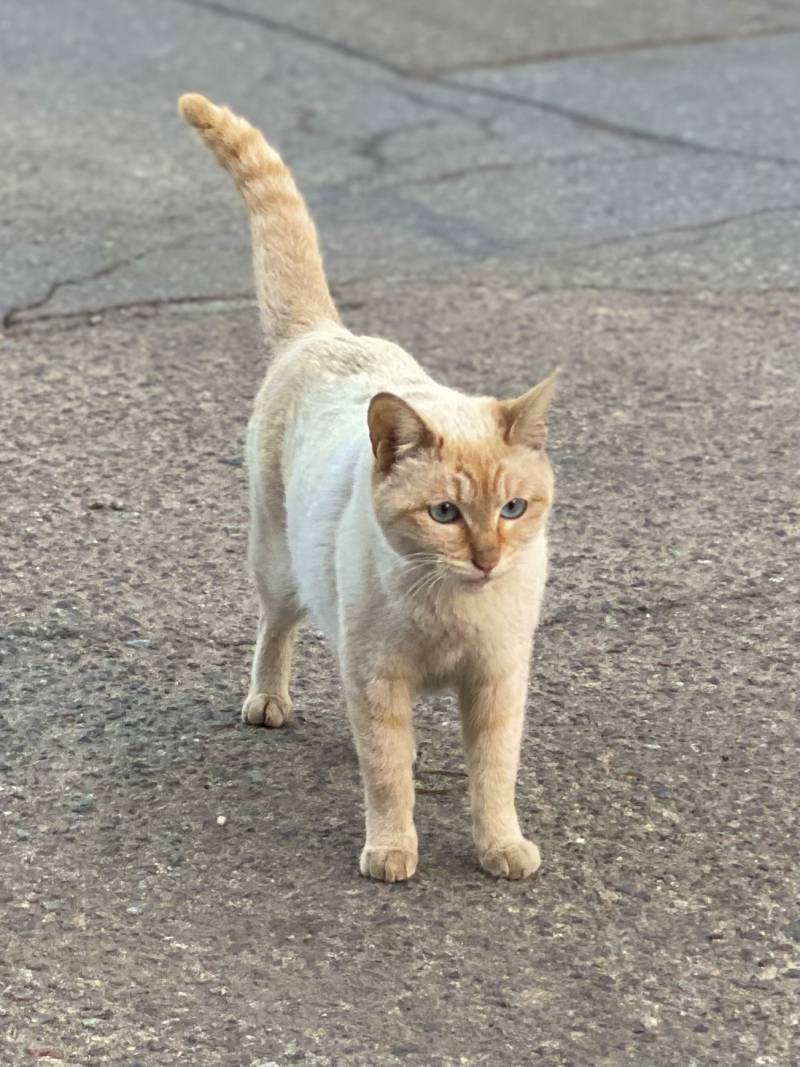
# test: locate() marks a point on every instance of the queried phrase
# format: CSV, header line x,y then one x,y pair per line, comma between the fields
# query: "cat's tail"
x,y
290,280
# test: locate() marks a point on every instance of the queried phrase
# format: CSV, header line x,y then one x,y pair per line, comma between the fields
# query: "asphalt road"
x,y
612,186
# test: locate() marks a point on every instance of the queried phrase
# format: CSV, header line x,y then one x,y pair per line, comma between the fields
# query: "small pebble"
x,y
44,1051
105,503
221,820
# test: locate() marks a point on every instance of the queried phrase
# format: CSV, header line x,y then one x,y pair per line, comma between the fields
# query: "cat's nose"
x,y
485,565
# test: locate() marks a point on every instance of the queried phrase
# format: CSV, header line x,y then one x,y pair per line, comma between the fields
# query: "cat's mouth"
x,y
475,579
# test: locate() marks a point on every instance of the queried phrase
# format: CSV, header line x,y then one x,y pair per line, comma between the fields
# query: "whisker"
x,y
410,563
416,585
405,568
425,584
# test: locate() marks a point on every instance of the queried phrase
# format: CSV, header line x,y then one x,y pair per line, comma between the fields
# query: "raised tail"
x,y
290,280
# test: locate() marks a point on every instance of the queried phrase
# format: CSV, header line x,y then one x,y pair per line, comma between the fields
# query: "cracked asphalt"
x,y
610,186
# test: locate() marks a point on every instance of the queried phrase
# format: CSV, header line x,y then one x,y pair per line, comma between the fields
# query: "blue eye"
x,y
514,508
444,512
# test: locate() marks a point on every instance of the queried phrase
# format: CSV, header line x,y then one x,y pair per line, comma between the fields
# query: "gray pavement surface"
x,y
613,186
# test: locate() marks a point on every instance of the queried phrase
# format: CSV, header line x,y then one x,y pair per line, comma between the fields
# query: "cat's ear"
x,y
395,429
525,418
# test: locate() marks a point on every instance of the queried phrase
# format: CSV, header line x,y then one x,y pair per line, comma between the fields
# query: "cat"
x,y
407,519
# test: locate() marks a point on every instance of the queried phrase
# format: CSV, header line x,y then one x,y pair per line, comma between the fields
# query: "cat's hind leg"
x,y
268,702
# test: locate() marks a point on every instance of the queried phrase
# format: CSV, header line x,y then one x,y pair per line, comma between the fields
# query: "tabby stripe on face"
x,y
473,482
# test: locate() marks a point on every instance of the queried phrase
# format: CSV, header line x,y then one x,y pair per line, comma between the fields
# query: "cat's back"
x,y
317,389
309,364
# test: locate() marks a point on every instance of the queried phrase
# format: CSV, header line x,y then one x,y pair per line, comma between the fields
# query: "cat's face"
x,y
472,508
468,507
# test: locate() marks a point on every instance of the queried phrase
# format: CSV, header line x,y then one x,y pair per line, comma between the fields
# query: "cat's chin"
x,y
474,586
476,582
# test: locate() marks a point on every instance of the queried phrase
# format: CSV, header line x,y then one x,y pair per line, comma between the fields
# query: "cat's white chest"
x,y
318,489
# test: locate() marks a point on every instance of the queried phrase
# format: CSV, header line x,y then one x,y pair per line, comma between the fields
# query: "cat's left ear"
x,y
525,418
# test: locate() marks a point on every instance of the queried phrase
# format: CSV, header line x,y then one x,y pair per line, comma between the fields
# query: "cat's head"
x,y
467,488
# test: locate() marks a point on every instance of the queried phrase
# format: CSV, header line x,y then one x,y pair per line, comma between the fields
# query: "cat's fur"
x,y
349,444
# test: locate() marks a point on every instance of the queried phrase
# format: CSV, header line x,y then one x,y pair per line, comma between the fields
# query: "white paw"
x,y
388,864
519,859
265,709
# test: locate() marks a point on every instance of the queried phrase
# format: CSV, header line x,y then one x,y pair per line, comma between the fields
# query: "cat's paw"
x,y
516,860
388,864
265,709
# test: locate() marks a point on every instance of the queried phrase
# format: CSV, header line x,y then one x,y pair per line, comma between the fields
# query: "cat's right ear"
x,y
395,429
525,417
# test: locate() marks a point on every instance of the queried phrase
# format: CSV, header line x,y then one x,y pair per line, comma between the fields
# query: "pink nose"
x,y
487,566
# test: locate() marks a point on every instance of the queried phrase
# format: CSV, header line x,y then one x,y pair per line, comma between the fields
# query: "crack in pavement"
x,y
695,227
449,108
12,317
558,55
358,184
84,315
371,148
618,129
442,80
307,36
462,236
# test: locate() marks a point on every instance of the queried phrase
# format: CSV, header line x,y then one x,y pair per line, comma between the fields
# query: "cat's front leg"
x,y
381,718
492,712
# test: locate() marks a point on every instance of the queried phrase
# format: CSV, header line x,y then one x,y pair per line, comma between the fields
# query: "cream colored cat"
x,y
407,519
